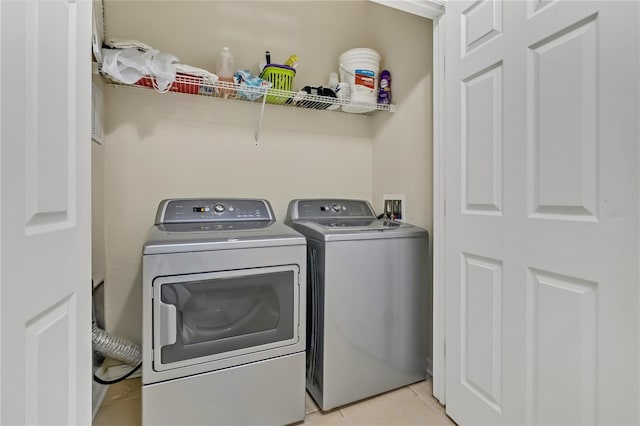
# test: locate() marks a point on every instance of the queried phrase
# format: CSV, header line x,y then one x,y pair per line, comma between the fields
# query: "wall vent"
x,y
96,114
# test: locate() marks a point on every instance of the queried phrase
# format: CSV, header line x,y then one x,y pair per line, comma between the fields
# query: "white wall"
x,y
195,31
403,141
161,146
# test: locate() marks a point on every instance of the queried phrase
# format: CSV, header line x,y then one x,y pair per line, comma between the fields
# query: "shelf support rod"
x,y
264,101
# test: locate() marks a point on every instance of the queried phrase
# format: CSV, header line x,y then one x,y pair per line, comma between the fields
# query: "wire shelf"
x,y
193,85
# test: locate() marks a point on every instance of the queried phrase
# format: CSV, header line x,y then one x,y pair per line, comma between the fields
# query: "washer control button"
x,y
218,208
336,207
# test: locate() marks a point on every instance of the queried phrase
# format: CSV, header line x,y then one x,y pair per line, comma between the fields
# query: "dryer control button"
x,y
219,208
336,207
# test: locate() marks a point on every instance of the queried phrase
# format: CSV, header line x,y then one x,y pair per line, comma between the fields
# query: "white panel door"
x,y
45,315
542,222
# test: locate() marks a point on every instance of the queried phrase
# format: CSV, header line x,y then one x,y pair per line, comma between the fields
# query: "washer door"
x,y
207,317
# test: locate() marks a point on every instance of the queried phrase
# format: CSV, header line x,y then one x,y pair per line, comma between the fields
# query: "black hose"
x,y
119,379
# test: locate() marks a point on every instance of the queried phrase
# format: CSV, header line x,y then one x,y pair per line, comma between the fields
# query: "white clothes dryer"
x,y
224,290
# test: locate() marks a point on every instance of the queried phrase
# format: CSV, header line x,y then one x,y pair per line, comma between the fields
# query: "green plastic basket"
x,y
281,78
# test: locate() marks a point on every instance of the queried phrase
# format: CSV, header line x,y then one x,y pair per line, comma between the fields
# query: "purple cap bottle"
x,y
384,94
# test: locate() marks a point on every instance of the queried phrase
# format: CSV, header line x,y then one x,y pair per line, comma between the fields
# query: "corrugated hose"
x,y
116,348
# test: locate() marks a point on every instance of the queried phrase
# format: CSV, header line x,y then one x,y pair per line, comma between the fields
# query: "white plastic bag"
x,y
130,65
121,65
162,66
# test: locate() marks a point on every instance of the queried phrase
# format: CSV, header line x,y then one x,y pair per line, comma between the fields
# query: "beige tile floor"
x,y
411,405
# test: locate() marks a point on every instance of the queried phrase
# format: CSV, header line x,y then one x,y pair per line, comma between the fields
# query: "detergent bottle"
x,y
384,93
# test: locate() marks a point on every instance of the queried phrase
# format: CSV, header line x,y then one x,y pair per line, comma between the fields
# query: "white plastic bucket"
x,y
360,68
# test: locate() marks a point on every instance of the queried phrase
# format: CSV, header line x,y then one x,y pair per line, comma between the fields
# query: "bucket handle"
x,y
346,70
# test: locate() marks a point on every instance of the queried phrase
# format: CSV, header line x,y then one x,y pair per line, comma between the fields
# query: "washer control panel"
x,y
213,210
321,209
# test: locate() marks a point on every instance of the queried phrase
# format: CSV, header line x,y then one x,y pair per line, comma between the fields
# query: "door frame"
x,y
439,209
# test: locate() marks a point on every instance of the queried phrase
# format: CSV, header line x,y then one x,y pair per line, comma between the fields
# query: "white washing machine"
x,y
224,314
367,318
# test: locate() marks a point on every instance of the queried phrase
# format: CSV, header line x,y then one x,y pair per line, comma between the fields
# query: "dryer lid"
x,y
360,224
378,229
340,219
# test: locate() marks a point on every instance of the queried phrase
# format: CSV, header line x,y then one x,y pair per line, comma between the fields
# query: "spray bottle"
x,y
225,67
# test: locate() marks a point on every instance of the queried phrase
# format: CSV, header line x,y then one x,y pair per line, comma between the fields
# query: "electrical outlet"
x,y
395,207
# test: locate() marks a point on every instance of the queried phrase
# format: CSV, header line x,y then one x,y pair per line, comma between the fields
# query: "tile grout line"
x,y
414,391
420,397
429,403
346,419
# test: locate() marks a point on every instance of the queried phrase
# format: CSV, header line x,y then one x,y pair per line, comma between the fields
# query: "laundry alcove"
x,y
159,146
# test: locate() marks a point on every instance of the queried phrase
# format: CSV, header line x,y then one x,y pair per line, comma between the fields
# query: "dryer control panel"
x,y
213,210
322,209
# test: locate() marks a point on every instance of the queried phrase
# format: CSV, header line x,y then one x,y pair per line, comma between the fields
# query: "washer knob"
x,y
336,207
218,208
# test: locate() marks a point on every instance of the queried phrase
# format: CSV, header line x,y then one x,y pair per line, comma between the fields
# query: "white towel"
x,y
118,43
206,76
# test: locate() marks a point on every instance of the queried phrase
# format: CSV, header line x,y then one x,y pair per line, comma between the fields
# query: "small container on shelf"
x,y
281,78
384,93
184,83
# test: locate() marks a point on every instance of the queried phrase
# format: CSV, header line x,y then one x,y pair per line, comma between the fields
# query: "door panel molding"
x,y
51,350
50,34
563,136
481,364
562,322
480,24
481,131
